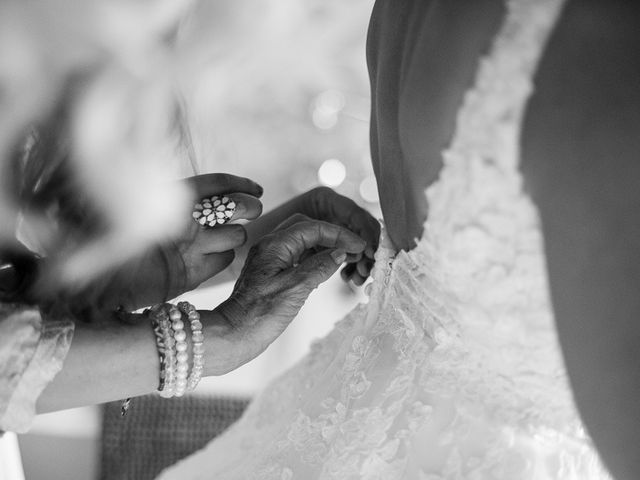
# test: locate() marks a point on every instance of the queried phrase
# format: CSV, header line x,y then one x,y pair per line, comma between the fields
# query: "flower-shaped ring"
x,y
215,210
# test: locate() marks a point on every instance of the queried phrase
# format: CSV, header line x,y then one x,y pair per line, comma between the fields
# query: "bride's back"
x,y
452,369
580,146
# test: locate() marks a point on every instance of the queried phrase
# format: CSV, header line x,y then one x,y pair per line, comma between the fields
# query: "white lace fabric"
x,y
31,354
452,370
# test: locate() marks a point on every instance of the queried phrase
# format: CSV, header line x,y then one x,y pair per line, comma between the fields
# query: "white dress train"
x,y
452,370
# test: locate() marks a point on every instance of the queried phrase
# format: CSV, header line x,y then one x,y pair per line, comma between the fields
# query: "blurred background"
x,y
278,91
275,90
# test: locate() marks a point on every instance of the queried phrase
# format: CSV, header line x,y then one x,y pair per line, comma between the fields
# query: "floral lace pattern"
x,y
453,369
31,354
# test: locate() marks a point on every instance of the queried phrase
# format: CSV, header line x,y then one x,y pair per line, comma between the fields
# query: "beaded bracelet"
x,y
197,339
164,344
182,357
168,328
157,330
169,373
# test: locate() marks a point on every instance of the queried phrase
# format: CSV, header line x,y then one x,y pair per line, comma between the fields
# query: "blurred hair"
x,y
45,182
44,185
86,97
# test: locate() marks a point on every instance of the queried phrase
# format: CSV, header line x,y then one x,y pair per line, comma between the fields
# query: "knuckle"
x,y
299,218
296,227
323,190
268,240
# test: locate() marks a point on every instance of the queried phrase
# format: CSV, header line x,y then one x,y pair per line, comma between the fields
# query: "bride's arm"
x,y
581,149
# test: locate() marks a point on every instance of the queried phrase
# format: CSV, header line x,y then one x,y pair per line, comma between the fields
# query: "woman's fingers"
x,y
223,183
364,266
347,272
279,275
228,236
242,194
218,239
292,220
358,280
208,266
318,268
247,207
355,259
350,273
325,204
293,241
230,207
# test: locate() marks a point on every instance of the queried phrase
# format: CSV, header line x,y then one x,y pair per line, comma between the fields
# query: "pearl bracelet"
x,y
180,346
171,342
197,339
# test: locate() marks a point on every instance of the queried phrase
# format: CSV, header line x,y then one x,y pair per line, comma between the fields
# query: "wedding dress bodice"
x,y
452,370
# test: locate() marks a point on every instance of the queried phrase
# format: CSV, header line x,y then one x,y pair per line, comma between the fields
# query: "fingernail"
x,y
339,256
369,252
260,190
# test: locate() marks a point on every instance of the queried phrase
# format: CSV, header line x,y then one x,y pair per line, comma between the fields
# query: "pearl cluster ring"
x,y
213,211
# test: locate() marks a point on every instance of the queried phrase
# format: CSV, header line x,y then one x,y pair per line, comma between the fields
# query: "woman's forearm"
x,y
121,360
116,358
104,364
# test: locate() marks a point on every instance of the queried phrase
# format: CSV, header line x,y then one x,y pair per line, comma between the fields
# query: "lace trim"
x,y
32,354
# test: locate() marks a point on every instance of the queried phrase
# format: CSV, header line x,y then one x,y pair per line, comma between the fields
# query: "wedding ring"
x,y
215,210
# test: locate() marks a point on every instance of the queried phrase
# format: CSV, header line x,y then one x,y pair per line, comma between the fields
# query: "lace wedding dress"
x,y
452,370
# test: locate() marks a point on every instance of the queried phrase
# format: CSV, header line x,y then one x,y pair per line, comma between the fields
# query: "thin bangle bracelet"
x,y
159,324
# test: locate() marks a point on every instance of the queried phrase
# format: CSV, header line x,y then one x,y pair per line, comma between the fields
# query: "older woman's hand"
x,y
323,203
279,274
182,264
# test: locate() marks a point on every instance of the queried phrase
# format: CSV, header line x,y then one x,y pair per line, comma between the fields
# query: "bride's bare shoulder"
x,y
581,162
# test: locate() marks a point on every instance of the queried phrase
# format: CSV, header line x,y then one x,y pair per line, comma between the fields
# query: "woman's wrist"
x,y
223,340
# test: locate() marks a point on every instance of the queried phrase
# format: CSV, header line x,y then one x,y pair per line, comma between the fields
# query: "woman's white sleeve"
x,y
31,354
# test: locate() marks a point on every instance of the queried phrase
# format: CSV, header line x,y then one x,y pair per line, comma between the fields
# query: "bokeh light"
x,y
324,120
326,108
332,173
369,189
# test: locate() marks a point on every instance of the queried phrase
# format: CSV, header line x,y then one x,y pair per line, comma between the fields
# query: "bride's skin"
x,y
580,151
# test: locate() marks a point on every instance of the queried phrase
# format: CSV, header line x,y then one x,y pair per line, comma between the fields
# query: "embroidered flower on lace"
x,y
359,359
